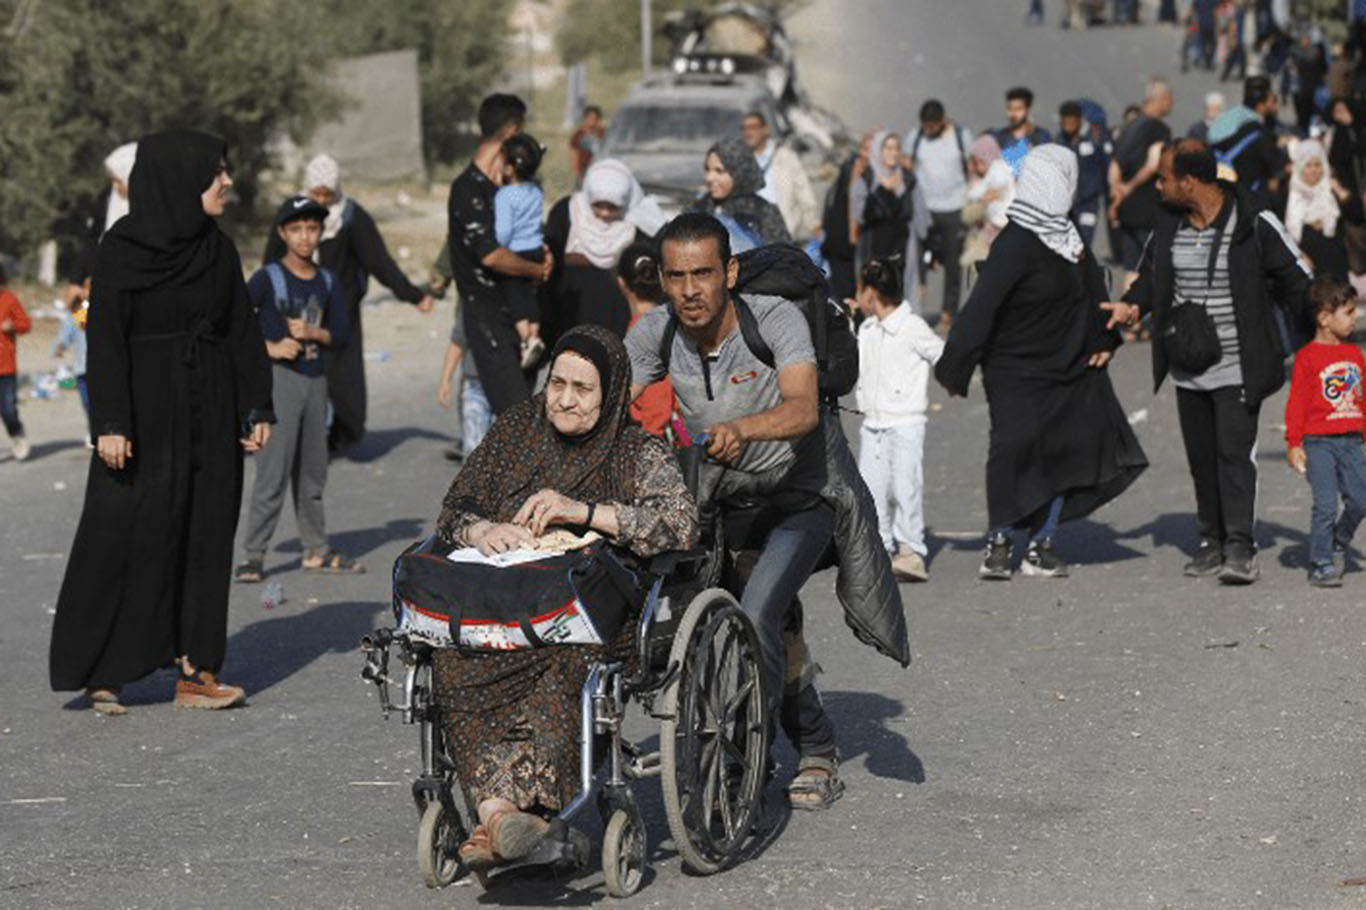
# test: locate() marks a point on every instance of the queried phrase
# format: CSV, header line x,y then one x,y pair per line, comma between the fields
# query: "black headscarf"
x,y
744,202
166,238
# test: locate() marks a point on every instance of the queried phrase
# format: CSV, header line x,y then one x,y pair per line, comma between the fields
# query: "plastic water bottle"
x,y
272,595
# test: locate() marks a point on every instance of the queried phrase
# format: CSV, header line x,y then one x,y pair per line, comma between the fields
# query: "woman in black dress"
x,y
1061,446
179,387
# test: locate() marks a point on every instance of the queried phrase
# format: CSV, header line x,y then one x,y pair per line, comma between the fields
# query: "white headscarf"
x,y
1043,198
119,166
1310,204
323,170
601,242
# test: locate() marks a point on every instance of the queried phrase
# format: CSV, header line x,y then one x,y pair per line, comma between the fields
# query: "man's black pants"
x,y
497,352
947,232
1220,432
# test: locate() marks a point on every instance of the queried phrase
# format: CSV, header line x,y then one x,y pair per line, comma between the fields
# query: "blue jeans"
x,y
475,415
9,405
83,389
1046,531
1336,467
789,554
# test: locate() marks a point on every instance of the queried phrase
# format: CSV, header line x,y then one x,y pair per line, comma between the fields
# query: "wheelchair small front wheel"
x,y
437,850
623,854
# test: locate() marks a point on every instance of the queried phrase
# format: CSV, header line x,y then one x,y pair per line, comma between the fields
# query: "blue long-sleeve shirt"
x,y
517,212
273,314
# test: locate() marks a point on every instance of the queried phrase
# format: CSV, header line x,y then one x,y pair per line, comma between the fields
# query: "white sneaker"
x,y
20,447
909,566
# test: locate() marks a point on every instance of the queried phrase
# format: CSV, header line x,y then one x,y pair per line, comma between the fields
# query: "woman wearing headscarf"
x,y
179,387
1312,210
733,182
891,212
587,232
354,251
990,192
570,457
1060,444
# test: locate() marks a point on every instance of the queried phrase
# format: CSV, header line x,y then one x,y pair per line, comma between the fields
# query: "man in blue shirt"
x,y
301,311
1020,134
1091,143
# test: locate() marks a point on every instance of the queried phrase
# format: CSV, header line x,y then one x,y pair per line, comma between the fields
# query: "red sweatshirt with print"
x,y
11,311
1326,397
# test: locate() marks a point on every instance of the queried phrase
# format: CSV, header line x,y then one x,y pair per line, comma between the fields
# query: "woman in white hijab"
x,y
587,232
1313,208
1060,446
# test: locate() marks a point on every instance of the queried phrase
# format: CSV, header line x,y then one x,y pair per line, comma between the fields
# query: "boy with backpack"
x,y
938,153
301,312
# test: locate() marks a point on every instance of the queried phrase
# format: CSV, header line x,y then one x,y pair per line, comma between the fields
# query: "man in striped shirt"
x,y
1215,251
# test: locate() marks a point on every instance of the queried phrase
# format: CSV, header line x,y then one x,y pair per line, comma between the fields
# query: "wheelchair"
x,y
699,672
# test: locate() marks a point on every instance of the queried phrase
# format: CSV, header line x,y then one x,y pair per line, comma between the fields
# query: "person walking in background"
x,y
1090,142
1244,140
897,351
1309,60
786,184
1035,14
990,193
302,315
1060,446
1324,423
71,339
518,207
180,386
477,260
1347,160
352,250
1020,134
1235,36
655,408
1134,200
475,416
585,145
1212,277
893,219
1214,106
839,226
938,152
14,322
1311,207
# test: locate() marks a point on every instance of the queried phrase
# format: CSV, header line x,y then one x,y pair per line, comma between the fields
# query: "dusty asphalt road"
x,y
1123,738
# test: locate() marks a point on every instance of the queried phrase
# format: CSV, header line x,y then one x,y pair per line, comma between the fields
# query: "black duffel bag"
x,y
582,597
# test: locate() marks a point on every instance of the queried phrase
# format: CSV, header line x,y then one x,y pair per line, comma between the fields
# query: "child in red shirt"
x,y
13,321
1324,421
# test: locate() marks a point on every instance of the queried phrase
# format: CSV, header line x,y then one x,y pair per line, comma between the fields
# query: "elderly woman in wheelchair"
x,y
512,709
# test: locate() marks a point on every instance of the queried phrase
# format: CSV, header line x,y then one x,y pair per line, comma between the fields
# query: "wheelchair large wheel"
x,y
437,847
714,740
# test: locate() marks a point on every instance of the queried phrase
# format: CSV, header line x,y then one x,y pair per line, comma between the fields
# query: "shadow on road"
x,y
860,720
272,650
54,447
364,540
378,443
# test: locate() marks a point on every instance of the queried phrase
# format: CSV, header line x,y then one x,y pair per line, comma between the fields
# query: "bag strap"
x,y
276,272
1229,155
749,331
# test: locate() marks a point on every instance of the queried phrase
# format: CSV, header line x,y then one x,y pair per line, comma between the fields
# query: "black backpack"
x,y
784,270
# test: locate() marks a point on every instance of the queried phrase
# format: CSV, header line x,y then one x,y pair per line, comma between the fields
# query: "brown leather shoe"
x,y
203,690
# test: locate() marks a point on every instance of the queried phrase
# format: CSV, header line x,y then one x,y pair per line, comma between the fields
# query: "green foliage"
x,y
461,51
88,75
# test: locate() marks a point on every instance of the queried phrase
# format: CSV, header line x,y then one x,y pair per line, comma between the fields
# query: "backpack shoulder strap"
x,y
749,331
962,148
1229,155
276,273
328,279
666,341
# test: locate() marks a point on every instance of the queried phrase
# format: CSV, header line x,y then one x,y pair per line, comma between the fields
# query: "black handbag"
x,y
1190,340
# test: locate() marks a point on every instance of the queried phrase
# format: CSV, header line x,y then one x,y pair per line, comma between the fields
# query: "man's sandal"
x,y
332,563
817,784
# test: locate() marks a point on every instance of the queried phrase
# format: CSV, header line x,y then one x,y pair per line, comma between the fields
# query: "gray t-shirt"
x,y
733,382
939,167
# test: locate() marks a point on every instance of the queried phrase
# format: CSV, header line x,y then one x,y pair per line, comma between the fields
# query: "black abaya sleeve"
x,y
375,259
251,367
107,360
976,321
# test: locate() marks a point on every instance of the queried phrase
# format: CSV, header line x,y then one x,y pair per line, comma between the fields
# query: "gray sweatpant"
x,y
296,455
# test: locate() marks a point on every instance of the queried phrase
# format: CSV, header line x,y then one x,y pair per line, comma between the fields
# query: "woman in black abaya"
x,y
179,387
1060,445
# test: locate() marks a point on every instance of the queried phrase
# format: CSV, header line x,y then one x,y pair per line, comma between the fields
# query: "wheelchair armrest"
x,y
665,564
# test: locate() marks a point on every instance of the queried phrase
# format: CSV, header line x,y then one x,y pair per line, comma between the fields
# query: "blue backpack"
x,y
280,286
